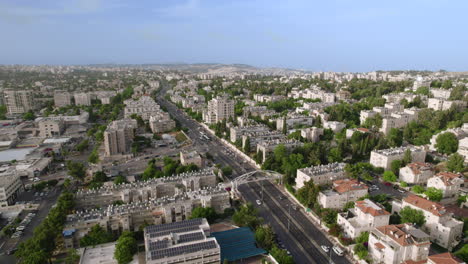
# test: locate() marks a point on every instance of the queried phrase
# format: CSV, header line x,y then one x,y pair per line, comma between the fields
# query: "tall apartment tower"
x,y
219,108
118,137
18,101
82,98
62,98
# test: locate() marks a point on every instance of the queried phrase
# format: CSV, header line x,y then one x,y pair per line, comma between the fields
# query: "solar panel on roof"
x,y
175,251
191,237
174,226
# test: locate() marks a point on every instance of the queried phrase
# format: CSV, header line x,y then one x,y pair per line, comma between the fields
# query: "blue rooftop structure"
x,y
237,244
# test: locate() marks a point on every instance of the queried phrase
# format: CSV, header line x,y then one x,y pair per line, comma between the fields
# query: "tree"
x,y
434,194
413,216
76,169
281,255
462,253
97,235
363,237
204,212
82,146
395,137
455,163
227,171
94,156
125,248
361,251
446,143
389,176
395,166
72,256
120,179
407,157
29,115
265,237
247,147
334,155
247,216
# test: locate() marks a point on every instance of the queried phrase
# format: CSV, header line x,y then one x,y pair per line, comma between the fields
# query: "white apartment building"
x,y
383,158
62,98
395,98
292,121
82,98
443,229
365,216
236,132
191,157
350,131
344,191
50,127
394,244
384,111
335,126
10,187
321,174
267,147
399,119
161,122
314,92
312,133
264,98
463,148
443,104
441,93
187,242
255,138
18,101
449,183
416,173
444,258
145,107
219,109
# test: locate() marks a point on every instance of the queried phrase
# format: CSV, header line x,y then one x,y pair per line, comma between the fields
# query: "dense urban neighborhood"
x,y
212,163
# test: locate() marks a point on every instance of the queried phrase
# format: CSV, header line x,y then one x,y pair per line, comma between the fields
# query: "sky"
x,y
331,35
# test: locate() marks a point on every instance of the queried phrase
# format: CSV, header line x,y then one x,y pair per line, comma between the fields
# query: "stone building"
x,y
50,127
118,137
342,192
219,109
82,98
10,187
383,158
19,101
416,173
161,122
321,174
145,107
62,98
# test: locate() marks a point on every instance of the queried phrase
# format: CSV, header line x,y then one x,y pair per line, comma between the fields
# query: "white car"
x,y
325,248
258,202
338,251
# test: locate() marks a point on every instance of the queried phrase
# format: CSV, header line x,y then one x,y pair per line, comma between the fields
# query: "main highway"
x,y
299,235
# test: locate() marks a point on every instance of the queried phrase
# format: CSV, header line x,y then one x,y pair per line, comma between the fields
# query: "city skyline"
x,y
333,36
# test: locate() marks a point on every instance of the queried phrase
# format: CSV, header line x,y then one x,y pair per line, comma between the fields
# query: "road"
x,y
213,146
303,239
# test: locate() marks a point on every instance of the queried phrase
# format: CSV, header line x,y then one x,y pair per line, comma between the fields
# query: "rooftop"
x,y
347,185
369,207
405,234
426,205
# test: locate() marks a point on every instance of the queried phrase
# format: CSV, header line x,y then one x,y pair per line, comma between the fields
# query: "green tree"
x,y
120,179
407,157
455,163
446,143
76,169
281,255
462,253
389,176
361,251
204,212
97,235
125,248
413,216
363,237
265,237
423,90
72,256
395,166
395,137
247,216
29,115
227,171
335,155
247,147
94,156
82,146
434,194
417,189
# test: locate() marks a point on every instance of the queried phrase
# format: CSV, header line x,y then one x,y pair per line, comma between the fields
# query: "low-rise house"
x,y
394,244
365,216
384,157
416,173
443,229
344,191
444,258
443,104
448,182
191,157
312,133
460,133
321,174
463,148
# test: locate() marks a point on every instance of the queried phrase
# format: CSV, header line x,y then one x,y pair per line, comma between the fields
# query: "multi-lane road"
x,y
294,228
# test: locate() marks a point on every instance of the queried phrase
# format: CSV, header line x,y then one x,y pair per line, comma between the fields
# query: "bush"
x,y
389,176
417,189
361,251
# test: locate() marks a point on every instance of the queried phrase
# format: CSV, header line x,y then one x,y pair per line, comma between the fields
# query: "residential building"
x,y
395,98
383,158
394,244
440,93
219,109
312,133
449,183
260,111
118,137
50,127
105,96
161,122
443,229
350,131
444,258
187,241
342,192
267,147
314,92
82,98
365,216
191,157
399,119
62,98
101,254
463,148
263,98
443,104
459,132
255,138
335,126
293,121
18,101
10,187
321,174
236,132
416,173
145,107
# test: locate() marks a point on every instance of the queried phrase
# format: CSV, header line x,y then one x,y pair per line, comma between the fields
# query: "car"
x,y
294,207
338,251
281,197
258,202
325,248
401,191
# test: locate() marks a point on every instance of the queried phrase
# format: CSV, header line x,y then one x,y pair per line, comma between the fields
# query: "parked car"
x,y
339,251
325,248
258,202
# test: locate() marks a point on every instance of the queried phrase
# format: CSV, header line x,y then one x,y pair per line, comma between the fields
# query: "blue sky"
x,y
332,35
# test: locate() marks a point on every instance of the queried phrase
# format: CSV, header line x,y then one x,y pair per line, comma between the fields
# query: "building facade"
x,y
118,137
321,174
219,109
383,158
19,101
